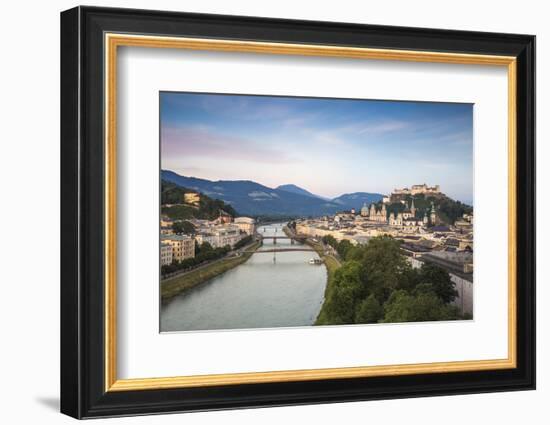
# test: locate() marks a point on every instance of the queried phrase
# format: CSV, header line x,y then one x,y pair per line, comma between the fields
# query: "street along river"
x,y
269,290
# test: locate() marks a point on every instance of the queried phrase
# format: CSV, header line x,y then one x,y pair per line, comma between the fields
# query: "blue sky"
x,y
327,146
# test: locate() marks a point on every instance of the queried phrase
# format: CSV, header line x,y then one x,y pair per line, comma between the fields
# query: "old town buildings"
x,y
219,233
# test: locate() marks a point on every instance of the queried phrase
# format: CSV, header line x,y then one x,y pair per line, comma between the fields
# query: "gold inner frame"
x,y
113,41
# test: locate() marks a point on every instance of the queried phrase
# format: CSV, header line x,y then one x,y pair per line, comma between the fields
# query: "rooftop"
x,y
414,248
174,237
440,229
246,220
454,262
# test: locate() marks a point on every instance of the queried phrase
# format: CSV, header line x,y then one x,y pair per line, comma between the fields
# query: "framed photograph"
x,y
261,212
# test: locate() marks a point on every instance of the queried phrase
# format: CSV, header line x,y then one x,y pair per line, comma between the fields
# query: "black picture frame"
x,y
83,392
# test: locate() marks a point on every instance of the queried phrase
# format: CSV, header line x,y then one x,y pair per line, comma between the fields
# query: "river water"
x,y
260,293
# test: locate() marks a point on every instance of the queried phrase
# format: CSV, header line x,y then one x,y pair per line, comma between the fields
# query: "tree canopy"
x,y
376,283
426,306
185,227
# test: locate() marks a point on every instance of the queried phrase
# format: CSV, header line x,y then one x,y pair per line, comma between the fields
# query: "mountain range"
x,y
250,198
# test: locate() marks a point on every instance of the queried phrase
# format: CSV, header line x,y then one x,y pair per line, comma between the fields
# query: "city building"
x,y
414,250
378,215
220,235
246,225
223,218
166,230
192,198
166,221
183,246
165,254
434,221
396,220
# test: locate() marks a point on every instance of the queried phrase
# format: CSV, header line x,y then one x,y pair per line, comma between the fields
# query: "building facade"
x,y
165,254
378,215
183,246
192,198
246,224
220,235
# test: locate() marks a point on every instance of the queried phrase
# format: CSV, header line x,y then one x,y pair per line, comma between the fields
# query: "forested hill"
x,y
207,208
448,210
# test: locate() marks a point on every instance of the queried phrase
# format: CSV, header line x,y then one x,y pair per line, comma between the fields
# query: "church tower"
x,y
432,215
413,209
384,214
425,220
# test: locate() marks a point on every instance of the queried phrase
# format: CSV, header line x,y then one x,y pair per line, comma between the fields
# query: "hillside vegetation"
x,y
376,284
207,209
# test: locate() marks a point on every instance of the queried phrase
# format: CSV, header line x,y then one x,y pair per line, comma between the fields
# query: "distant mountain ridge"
x,y
357,199
251,198
301,191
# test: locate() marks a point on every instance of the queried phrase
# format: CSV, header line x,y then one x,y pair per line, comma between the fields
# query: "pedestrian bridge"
x,y
276,238
265,251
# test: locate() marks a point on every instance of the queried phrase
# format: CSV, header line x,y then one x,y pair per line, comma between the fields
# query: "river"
x,y
260,293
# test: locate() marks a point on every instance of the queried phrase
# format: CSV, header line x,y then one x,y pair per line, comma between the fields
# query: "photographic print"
x,y
290,211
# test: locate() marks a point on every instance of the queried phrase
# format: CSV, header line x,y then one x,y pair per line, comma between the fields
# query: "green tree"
x,y
206,247
243,242
369,311
410,278
330,240
383,265
186,227
343,248
403,307
440,282
347,292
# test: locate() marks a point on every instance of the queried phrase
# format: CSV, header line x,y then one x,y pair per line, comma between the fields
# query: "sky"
x,y
327,146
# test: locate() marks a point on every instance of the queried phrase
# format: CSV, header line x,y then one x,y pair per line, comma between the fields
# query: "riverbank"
x,y
331,263
179,284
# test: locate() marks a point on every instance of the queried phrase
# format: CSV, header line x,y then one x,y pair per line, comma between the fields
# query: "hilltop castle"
x,y
417,189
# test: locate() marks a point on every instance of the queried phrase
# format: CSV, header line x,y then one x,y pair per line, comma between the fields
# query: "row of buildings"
x,y
218,233
407,218
424,240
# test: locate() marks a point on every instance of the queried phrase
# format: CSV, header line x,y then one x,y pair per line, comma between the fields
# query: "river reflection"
x,y
259,293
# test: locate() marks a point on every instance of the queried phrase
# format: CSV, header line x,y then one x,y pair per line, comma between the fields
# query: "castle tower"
x,y
413,209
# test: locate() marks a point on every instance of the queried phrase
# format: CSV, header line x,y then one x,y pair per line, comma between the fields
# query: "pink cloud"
x,y
202,142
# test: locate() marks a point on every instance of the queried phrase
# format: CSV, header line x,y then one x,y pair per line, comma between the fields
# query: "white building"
x,y
220,235
246,224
